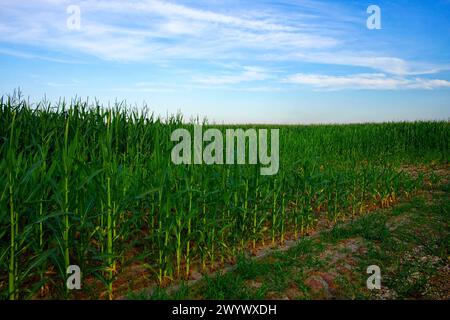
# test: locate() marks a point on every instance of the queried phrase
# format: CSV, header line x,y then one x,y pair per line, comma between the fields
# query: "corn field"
x,y
85,185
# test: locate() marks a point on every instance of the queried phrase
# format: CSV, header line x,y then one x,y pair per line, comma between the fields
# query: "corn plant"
x,y
94,186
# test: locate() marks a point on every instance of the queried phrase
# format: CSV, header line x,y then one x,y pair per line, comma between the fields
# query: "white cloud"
x,y
25,55
373,81
249,74
153,30
171,10
386,64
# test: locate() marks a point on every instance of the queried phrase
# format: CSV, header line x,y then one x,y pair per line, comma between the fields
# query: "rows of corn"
x,y
85,185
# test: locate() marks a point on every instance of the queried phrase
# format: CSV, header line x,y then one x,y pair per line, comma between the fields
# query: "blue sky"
x,y
287,61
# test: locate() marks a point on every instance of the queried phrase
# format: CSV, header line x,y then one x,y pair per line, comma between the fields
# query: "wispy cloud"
x,y
249,74
170,10
374,81
310,32
228,82
158,29
25,55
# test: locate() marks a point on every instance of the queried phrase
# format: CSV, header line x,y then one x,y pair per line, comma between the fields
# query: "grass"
x,y
85,185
